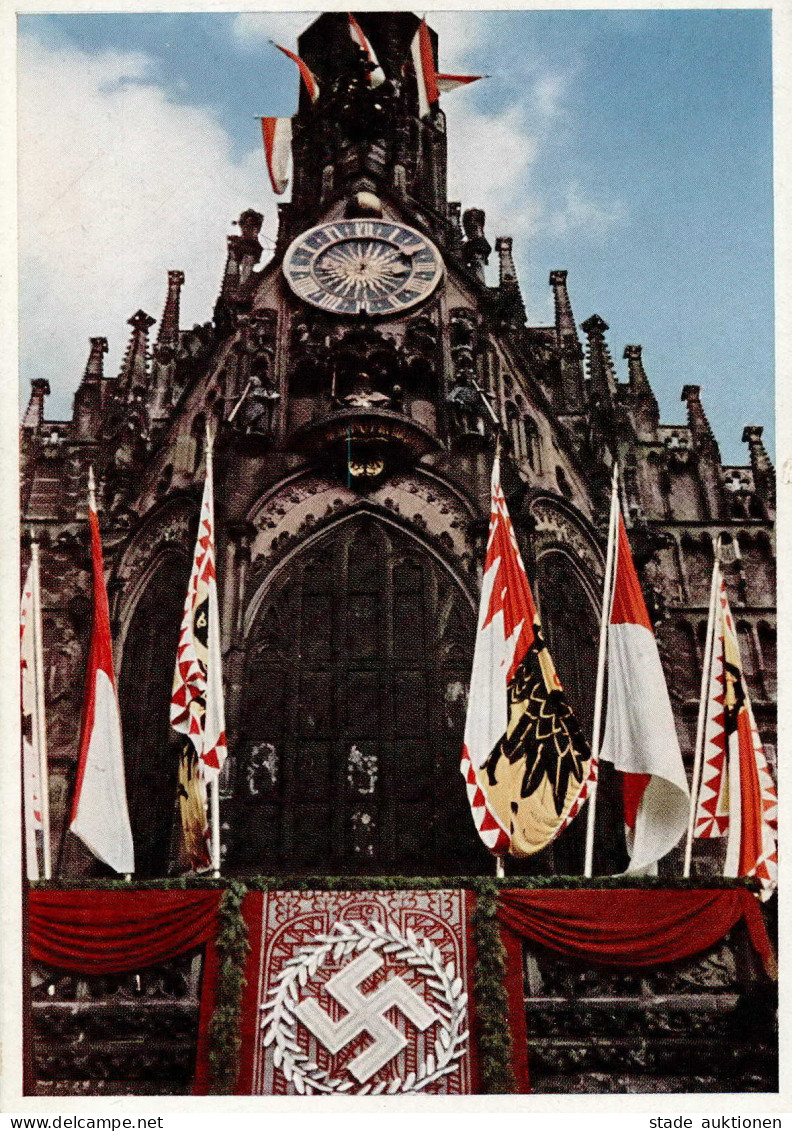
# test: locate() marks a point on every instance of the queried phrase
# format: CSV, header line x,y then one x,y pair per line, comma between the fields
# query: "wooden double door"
x,y
348,753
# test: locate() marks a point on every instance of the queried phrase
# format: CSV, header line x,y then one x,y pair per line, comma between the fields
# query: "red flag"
x,y
376,74
640,737
277,134
525,758
100,817
737,797
308,77
429,81
425,74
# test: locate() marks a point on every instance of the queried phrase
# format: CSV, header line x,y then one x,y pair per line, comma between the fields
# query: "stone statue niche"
x,y
367,371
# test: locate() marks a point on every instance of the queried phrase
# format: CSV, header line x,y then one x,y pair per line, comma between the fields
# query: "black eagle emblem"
x,y
542,730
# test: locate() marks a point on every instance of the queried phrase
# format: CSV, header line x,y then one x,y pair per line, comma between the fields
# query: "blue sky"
x,y
632,148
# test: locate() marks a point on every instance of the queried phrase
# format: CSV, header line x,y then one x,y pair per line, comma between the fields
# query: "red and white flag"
x,y
737,797
30,730
430,82
640,737
308,77
277,134
451,82
376,74
100,817
524,758
197,709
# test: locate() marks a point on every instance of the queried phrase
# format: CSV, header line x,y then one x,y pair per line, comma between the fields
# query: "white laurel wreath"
x,y
448,996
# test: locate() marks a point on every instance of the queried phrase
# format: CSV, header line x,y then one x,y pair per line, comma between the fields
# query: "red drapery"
x,y
621,928
112,932
633,927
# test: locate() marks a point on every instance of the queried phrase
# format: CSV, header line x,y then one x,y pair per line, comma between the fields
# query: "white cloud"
x,y
576,211
490,164
254,28
117,185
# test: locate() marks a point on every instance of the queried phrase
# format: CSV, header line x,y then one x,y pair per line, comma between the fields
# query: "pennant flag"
x,y
308,77
429,81
100,817
30,729
376,74
197,702
451,82
640,737
425,74
524,758
277,133
738,797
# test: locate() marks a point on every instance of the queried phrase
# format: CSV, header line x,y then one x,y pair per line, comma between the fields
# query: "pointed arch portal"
x,y
357,665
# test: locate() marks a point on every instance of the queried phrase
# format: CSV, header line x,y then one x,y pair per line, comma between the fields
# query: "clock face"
x,y
362,266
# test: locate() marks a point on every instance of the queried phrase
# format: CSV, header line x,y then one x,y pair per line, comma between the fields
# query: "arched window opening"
x,y
767,643
533,445
151,748
199,441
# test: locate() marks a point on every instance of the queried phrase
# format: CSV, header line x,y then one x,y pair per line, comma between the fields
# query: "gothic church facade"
x,y
355,421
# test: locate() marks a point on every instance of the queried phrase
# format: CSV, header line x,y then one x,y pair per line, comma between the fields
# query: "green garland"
x,y
489,993
233,948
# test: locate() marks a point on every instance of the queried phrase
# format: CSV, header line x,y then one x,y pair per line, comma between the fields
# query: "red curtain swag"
x,y
113,932
635,927
623,928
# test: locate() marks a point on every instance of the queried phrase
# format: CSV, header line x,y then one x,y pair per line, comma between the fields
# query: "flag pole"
x,y
39,716
702,715
214,783
607,599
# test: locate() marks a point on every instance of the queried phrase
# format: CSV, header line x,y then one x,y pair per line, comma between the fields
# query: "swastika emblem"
x,y
365,1013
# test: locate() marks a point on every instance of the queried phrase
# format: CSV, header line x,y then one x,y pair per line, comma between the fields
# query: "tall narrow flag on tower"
x,y
307,75
100,817
277,134
376,74
197,709
738,797
524,757
640,737
431,82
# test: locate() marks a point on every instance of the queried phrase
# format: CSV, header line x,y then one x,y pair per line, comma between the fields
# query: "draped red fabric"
x,y
110,932
626,928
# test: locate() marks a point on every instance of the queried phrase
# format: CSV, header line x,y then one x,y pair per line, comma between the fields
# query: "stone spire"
x,y
134,368
168,334
569,347
34,413
700,429
600,363
639,382
87,410
641,400
244,252
763,470
164,351
564,318
512,307
706,447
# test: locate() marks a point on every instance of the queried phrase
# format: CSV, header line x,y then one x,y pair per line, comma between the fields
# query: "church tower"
x,y
356,383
